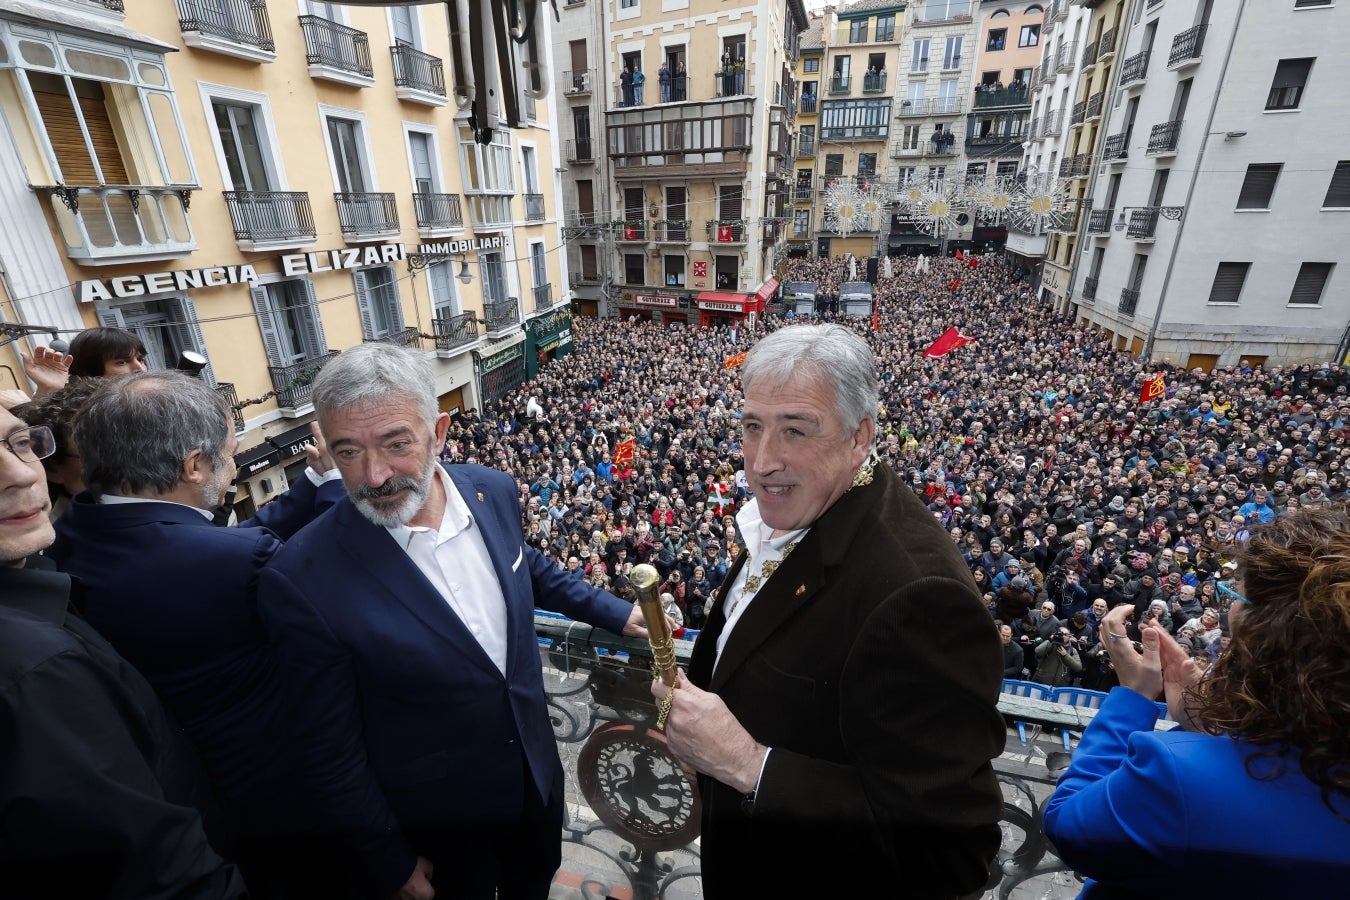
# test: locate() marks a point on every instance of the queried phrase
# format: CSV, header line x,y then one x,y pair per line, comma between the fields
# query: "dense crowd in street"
x,y
1030,443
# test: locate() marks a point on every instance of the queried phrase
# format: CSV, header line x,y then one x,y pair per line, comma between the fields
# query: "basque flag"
x,y
950,340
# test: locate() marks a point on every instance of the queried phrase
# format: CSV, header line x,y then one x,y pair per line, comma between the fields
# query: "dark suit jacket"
x,y
177,597
870,666
404,722
98,790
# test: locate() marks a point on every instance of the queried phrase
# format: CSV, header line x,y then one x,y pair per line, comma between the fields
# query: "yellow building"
x,y
267,183
802,196
678,121
862,55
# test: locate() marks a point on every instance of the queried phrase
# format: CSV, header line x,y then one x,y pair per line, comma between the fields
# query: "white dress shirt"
x,y
455,559
761,549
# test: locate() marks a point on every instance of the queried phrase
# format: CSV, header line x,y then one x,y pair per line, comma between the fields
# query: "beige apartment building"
x,y
266,184
1008,51
676,187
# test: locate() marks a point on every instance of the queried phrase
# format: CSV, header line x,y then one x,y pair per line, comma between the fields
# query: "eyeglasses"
x,y
31,444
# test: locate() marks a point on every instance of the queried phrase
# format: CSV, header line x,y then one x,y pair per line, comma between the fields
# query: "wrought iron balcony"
x,y
1129,300
806,147
1089,292
1099,221
1107,46
1079,113
1135,69
931,106
367,214
1163,138
630,230
438,211
671,231
242,22
1094,105
1116,147
455,331
839,84
501,315
408,337
1090,54
534,207
801,193
579,150
1143,224
583,224
1068,55
578,81
417,73
114,5
808,104
271,217
1186,47
1053,123
1004,97
543,297
726,231
335,47
294,383
226,390
1057,11
874,83
109,222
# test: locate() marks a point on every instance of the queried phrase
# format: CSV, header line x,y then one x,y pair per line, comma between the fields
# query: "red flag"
x,y
876,317
733,360
974,263
630,232
950,340
954,285
723,234
959,254
624,452
1154,388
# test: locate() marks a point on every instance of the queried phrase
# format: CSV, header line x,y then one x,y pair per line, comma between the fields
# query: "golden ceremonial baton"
x,y
646,581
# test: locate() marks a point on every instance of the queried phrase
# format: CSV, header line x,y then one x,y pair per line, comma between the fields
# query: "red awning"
x,y
721,297
767,291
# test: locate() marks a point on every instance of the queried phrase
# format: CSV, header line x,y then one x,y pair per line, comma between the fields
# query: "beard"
x,y
386,516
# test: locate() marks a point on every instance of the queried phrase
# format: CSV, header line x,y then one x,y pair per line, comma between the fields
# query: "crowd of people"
x,y
1030,444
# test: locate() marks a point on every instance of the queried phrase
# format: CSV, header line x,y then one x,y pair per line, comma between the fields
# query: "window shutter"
x,y
316,344
1259,185
109,317
1311,281
1228,281
395,300
363,305
187,331
1338,192
263,310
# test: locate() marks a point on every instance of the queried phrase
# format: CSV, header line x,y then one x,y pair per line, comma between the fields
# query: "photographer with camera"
x,y
1059,663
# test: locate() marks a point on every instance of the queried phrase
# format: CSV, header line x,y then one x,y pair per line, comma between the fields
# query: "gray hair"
x,y
374,373
135,432
830,352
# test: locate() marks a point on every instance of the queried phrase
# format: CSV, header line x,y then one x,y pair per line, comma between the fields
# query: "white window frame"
x,y
419,38
437,170
368,168
276,170
919,63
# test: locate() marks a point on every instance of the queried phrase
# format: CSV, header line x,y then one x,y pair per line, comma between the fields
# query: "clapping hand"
x,y
49,369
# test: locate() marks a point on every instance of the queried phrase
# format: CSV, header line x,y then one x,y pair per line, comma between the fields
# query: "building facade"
x,y
266,184
936,61
1221,205
679,120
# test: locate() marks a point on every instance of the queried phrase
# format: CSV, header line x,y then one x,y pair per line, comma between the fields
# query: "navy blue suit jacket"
x,y
403,722
177,597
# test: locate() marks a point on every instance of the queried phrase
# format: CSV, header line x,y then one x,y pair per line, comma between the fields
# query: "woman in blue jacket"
x,y
1250,797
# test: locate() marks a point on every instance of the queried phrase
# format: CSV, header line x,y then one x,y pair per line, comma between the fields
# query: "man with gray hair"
x,y
177,595
842,699
405,618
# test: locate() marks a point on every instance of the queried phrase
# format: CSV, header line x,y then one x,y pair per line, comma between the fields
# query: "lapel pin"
x,y
480,496
801,589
